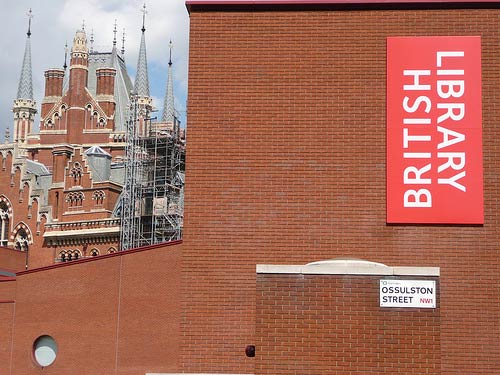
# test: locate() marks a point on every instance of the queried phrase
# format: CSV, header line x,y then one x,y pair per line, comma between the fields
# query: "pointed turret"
x,y
25,88
79,62
141,86
168,103
24,106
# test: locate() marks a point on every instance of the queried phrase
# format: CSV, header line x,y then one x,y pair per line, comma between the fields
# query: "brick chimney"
x,y
105,89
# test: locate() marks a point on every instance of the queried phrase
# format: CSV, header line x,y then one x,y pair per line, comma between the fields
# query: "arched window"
x,y
21,241
76,173
111,250
98,197
75,199
101,123
69,255
94,252
63,256
4,229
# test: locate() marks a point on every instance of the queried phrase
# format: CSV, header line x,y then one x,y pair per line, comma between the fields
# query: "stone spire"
x,y
168,103
25,88
24,108
141,85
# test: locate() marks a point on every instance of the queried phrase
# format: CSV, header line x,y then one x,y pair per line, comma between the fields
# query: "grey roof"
x,y
25,88
96,151
123,84
99,163
141,85
36,168
118,173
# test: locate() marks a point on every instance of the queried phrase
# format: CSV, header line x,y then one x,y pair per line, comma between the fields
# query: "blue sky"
x,y
55,23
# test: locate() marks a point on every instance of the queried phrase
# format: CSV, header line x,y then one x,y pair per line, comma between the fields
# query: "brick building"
x,y
60,187
287,241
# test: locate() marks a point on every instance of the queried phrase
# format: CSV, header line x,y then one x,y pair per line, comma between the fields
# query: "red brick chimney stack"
x,y
54,82
105,89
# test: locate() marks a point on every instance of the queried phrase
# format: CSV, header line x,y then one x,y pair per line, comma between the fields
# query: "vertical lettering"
x,y
416,80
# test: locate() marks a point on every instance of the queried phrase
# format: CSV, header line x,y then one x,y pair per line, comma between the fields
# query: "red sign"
x,y
434,132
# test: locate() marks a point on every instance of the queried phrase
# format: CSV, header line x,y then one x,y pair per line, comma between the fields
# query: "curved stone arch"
x,y
22,236
8,203
6,215
94,252
63,256
112,250
77,254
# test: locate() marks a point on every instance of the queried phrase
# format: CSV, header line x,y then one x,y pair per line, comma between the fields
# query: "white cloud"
x,y
55,22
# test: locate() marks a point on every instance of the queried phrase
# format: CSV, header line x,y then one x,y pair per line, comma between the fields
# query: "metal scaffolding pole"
x,y
131,193
152,199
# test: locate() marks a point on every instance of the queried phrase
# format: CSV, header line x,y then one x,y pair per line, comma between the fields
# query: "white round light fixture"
x,y
45,350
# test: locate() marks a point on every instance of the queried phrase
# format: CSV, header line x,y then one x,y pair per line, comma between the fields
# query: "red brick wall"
x,y
286,164
117,314
7,308
12,260
310,324
6,317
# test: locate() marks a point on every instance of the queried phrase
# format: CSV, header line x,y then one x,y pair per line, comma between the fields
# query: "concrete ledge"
x,y
347,267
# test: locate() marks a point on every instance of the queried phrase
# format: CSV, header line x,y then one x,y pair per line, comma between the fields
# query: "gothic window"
x,y
63,256
94,252
98,196
4,229
21,241
69,255
76,174
111,250
101,123
49,123
75,199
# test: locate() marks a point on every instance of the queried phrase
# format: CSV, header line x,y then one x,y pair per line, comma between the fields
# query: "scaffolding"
x,y
153,194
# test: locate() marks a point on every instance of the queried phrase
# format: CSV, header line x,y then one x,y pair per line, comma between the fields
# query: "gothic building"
x,y
60,187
